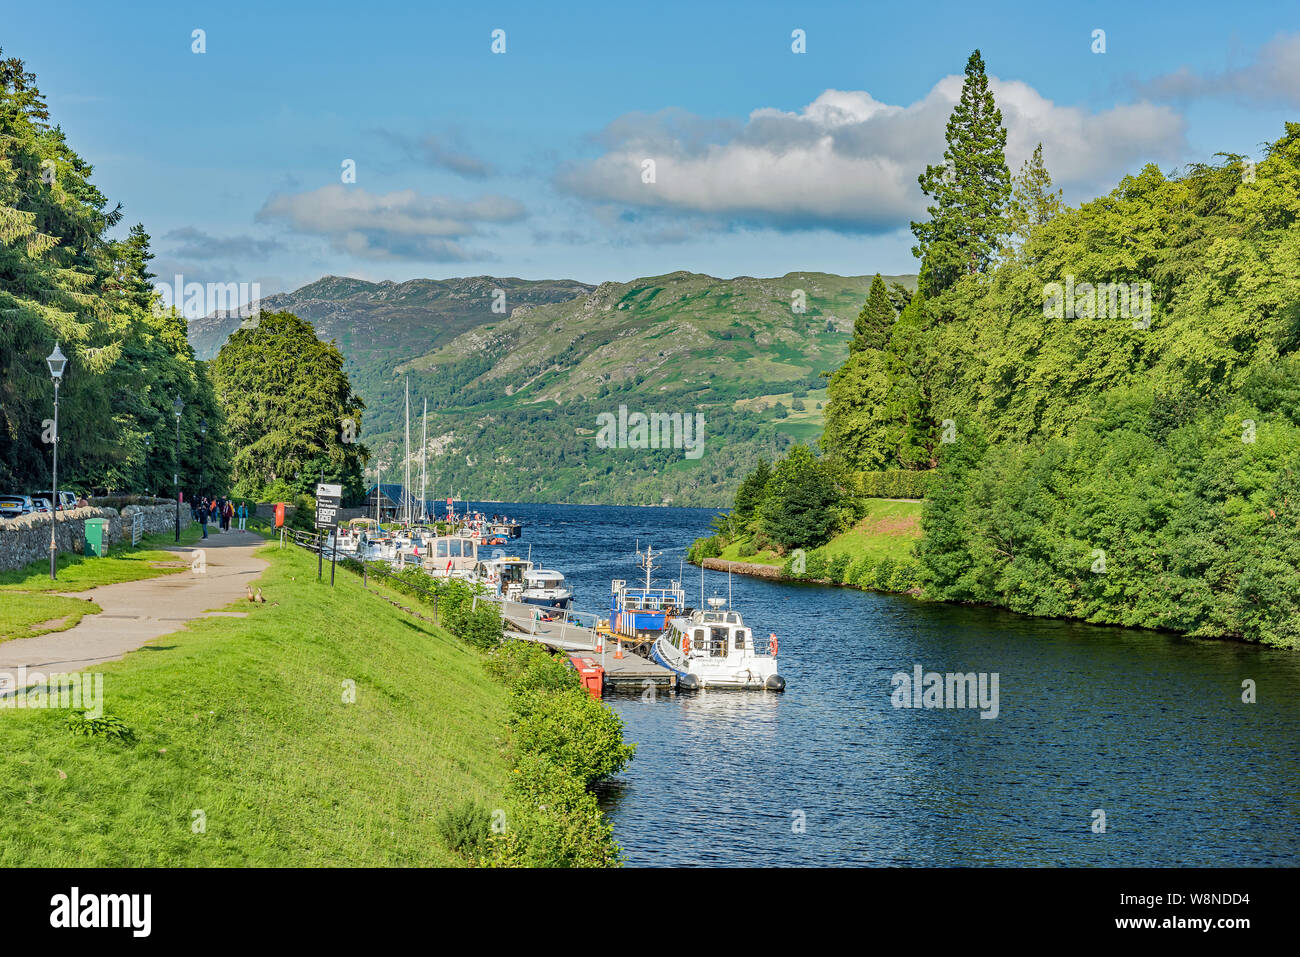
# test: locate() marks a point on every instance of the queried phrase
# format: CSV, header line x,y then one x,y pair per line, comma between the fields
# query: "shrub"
x,y
574,731
105,726
816,566
553,821
526,666
705,548
747,550
885,572
837,567
465,828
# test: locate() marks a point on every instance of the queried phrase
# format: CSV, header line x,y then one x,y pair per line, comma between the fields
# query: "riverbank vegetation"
x,y
1106,390
563,741
292,737
837,533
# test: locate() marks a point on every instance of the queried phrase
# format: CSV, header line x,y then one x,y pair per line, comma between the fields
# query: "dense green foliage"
x,y
880,409
565,740
800,502
290,410
64,279
1112,397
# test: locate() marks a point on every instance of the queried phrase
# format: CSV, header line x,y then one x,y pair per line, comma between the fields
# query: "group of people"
x,y
220,511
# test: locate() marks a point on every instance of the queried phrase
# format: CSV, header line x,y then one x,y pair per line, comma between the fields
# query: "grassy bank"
x,y
246,750
876,553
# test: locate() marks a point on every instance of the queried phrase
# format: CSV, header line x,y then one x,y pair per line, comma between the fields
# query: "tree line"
x,y
272,415
1107,390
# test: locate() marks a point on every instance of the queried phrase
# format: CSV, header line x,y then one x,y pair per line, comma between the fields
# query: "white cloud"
x,y
847,161
192,243
401,225
1273,78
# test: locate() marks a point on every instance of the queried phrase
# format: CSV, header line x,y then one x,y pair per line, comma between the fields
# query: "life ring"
x,y
686,645
773,640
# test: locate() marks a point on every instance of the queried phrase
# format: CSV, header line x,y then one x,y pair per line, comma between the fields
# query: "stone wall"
x,y
157,518
27,539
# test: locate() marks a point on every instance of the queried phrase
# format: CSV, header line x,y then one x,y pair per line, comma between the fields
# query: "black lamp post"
x,y
178,406
56,360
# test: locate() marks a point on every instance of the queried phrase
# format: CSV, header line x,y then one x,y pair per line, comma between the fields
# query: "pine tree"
x,y
970,188
871,330
1033,202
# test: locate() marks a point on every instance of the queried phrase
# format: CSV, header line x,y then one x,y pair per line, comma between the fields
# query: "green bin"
x,y
95,537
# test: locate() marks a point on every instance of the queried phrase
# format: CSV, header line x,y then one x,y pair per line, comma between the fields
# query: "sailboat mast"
x,y
406,488
424,456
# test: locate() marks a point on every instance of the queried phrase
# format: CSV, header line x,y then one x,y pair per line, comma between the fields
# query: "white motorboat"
x,y
503,575
714,648
546,587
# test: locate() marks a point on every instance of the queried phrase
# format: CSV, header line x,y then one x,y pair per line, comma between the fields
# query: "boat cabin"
x,y
450,556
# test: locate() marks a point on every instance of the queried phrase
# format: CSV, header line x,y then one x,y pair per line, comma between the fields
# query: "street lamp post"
x,y
178,406
56,361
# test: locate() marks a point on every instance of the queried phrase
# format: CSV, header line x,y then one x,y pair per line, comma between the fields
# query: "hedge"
x,y
897,483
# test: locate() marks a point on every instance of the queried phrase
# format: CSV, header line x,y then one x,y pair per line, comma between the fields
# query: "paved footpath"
x,y
136,612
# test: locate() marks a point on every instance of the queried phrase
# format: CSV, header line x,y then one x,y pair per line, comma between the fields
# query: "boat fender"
x,y
688,682
774,683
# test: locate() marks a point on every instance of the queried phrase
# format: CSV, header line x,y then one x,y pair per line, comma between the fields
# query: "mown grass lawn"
x,y
25,616
241,724
123,563
888,530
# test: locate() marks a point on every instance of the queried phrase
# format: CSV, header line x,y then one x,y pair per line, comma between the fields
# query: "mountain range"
x,y
517,374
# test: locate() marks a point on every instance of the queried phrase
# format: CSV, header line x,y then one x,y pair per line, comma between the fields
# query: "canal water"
x,y
1144,728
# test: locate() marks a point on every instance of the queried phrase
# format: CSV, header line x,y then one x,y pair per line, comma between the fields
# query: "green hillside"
x,y
514,404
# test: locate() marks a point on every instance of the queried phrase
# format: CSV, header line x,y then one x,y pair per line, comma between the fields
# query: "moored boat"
x,y
714,648
546,587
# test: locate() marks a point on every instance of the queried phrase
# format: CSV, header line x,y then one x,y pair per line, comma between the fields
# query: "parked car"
x,y
67,499
12,506
41,505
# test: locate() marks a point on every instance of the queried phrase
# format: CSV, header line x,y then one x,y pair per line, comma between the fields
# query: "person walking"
x,y
203,515
243,515
226,515
213,515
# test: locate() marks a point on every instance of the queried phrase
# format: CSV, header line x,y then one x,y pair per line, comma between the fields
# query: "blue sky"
x,y
529,163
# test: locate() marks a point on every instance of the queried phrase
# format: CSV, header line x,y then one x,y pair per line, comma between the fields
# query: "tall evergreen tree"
x,y
970,189
1033,202
871,330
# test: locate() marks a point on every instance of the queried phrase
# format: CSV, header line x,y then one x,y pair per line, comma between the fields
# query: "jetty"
x,y
588,645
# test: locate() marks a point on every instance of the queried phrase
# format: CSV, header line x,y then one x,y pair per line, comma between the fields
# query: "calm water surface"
x,y
1147,727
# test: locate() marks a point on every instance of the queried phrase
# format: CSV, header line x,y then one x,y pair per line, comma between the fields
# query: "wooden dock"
x,y
579,638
